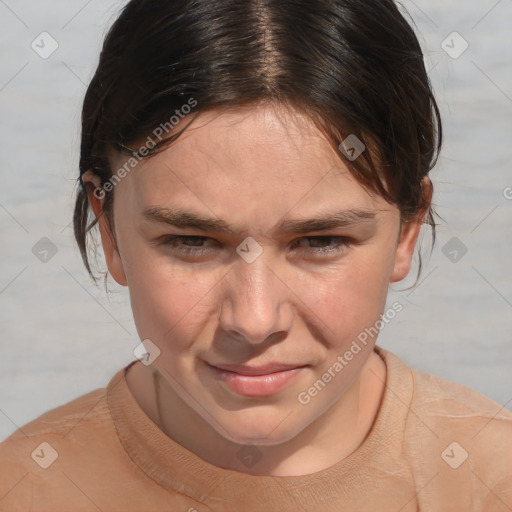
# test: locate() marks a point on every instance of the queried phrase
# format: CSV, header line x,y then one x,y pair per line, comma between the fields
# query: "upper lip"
x,y
266,369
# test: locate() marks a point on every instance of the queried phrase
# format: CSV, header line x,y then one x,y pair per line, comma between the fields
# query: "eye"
x,y
325,245
186,244
195,245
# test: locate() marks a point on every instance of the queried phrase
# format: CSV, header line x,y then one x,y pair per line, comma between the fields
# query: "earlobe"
x,y
405,250
111,250
95,195
96,199
409,235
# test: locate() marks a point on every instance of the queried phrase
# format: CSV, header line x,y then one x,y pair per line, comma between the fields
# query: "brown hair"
x,y
353,66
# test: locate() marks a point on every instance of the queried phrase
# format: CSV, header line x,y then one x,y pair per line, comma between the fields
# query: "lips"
x,y
256,381
257,370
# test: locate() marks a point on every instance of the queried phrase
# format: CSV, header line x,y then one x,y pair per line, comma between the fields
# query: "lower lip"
x,y
257,385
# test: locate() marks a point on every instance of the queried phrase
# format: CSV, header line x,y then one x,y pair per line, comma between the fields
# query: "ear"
x,y
96,197
409,234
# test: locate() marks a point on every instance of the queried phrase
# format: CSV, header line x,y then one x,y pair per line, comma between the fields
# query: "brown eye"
x,y
325,245
186,244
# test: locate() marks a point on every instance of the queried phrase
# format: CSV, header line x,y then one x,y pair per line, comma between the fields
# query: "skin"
x,y
293,304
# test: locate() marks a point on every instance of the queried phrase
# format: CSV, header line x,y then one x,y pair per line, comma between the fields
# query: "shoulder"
x,y
36,457
443,399
61,419
449,403
65,421
457,439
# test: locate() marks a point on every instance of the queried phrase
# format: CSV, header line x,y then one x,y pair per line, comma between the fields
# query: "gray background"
x,y
61,336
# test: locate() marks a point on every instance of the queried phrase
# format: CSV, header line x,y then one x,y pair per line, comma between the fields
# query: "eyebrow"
x,y
186,219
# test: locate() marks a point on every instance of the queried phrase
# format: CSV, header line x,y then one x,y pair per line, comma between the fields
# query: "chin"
x,y
263,428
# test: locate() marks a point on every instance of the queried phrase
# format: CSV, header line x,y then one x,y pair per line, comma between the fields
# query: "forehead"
x,y
257,137
260,161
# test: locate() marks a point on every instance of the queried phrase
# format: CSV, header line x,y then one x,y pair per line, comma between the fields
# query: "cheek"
x,y
350,298
167,299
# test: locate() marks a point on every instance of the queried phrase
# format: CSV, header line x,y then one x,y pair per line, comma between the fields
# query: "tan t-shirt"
x,y
434,446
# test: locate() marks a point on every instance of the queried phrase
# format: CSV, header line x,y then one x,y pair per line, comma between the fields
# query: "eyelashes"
x,y
192,245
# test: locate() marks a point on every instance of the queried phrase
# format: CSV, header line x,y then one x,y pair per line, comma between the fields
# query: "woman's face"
x,y
284,261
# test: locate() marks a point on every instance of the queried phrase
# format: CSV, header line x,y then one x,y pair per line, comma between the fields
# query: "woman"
x,y
258,172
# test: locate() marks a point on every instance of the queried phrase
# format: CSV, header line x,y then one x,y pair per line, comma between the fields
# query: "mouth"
x,y
256,381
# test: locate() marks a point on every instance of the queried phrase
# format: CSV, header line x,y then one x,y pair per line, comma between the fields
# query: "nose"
x,y
256,303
